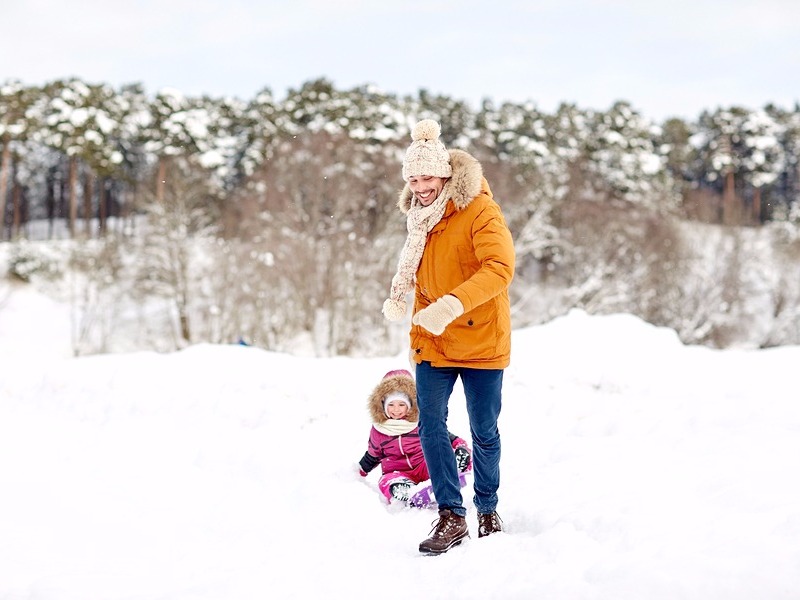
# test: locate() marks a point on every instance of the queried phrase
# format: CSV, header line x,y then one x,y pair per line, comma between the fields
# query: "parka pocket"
x,y
474,335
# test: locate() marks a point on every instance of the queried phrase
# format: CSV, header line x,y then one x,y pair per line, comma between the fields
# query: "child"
x,y
394,438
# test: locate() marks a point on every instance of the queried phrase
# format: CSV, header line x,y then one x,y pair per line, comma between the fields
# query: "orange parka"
x,y
469,254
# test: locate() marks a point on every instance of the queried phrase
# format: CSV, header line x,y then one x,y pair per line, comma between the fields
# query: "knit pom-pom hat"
x,y
426,155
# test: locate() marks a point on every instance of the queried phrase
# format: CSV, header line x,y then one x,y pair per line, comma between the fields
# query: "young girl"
x,y
394,438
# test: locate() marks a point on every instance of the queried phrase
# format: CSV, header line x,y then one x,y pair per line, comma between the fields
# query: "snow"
x,y
633,467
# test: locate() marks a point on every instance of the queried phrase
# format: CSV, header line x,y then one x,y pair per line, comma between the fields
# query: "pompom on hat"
x,y
426,155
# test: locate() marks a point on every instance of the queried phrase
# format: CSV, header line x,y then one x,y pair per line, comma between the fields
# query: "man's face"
x,y
426,188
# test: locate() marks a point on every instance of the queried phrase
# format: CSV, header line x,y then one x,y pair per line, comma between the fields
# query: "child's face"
x,y
396,409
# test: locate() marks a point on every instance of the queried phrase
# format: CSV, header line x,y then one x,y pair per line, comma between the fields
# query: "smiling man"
x,y
459,260
426,188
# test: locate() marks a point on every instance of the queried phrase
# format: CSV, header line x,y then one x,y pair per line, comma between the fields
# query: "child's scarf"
x,y
395,427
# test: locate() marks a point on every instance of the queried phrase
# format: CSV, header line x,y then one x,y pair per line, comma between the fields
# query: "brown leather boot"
x,y
489,523
450,530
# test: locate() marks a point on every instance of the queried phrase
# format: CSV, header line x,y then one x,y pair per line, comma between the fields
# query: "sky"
x,y
667,59
633,467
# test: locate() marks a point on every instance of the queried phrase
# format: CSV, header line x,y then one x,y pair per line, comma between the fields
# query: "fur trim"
x,y
393,383
464,184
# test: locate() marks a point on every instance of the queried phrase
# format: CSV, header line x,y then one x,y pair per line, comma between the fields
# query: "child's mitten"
x,y
463,459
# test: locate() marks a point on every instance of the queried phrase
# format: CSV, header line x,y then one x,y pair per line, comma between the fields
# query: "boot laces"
x,y
442,526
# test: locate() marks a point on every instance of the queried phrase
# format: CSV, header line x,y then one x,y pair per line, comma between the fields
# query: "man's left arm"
x,y
494,249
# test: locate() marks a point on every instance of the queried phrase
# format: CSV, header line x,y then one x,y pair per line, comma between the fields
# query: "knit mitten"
x,y
439,315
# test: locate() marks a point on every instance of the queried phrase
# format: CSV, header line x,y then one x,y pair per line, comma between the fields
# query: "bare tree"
x,y
169,266
322,202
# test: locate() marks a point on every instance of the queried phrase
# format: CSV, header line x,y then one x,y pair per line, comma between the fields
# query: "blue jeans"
x,y
483,390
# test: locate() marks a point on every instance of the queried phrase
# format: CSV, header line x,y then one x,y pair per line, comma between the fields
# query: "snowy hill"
x,y
633,468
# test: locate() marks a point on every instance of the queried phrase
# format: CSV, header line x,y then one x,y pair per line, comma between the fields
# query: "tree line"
x,y
287,207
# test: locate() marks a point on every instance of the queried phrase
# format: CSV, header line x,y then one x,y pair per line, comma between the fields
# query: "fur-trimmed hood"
x,y
393,383
465,183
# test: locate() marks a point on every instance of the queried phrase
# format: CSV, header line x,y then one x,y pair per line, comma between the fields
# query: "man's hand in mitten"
x,y
439,315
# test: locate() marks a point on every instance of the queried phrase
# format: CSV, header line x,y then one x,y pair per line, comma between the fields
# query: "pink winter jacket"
x,y
400,454
397,453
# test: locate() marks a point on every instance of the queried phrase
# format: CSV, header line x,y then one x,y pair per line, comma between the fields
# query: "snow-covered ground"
x,y
633,468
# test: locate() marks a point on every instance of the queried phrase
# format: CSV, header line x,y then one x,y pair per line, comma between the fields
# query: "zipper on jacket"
x,y
403,452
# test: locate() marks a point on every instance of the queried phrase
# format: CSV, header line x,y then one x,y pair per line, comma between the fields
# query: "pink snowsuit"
x,y
399,455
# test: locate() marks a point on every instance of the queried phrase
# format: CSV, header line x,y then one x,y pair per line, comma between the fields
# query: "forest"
x,y
172,220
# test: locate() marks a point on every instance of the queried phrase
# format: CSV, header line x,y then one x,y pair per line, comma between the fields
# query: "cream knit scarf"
x,y
395,427
419,222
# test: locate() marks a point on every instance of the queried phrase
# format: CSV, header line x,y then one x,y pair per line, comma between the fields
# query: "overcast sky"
x,y
668,58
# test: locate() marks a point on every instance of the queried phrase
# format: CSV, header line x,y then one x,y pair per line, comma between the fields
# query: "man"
x,y
459,259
